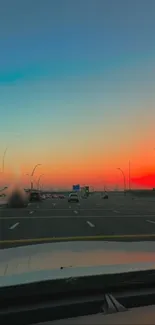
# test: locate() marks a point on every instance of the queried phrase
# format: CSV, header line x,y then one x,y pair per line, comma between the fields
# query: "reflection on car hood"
x,y
65,259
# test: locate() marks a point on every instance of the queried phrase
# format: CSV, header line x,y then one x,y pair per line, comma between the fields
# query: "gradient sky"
x,y
77,90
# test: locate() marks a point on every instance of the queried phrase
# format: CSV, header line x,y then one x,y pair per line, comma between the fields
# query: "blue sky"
x,y
79,36
71,71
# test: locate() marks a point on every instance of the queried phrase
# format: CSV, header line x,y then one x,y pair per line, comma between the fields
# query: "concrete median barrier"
x,y
141,193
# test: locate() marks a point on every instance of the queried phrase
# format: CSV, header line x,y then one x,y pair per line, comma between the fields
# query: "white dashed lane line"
x,y
150,221
14,226
90,224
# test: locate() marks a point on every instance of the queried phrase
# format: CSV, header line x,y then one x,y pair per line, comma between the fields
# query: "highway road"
x,y
119,218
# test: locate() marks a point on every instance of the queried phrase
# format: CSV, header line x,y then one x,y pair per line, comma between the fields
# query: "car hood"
x,y
65,259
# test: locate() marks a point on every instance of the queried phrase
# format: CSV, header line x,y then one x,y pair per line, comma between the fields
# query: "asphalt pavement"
x,y
118,218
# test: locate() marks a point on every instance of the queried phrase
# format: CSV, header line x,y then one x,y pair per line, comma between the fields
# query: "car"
x,y
61,196
35,196
105,197
73,197
54,196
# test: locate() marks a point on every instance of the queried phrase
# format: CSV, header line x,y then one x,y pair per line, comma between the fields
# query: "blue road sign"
x,y
76,187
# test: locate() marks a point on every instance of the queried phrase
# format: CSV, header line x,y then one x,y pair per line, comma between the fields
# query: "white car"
x,y
73,197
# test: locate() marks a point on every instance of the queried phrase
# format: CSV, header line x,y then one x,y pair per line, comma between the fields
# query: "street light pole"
x,y
123,178
129,177
3,161
39,180
30,177
33,174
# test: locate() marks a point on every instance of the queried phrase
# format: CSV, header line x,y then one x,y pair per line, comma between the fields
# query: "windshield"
x,y
77,112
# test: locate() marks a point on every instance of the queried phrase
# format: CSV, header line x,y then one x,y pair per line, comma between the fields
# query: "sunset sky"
x,y
77,91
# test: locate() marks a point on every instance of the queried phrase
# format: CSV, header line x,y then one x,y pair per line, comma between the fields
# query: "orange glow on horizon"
x,y
67,179
97,172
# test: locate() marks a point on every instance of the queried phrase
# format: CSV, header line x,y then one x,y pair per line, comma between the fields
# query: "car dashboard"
x,y
121,298
136,316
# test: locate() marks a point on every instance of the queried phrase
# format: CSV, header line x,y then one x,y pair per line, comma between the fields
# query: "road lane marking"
x,y
31,212
150,221
77,238
14,226
90,224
